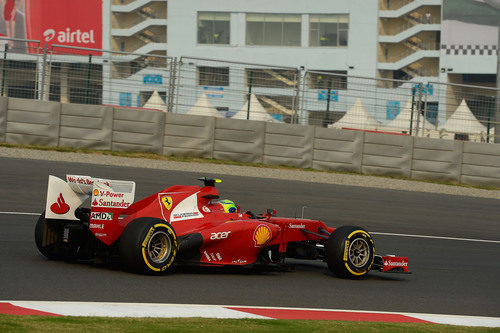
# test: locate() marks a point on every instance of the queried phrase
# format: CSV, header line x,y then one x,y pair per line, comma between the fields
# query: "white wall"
x,y
360,52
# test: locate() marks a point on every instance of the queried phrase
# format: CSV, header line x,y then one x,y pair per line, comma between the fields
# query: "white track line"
x,y
19,213
436,237
374,233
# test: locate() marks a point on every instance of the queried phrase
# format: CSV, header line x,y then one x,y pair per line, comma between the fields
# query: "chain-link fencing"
x,y
239,90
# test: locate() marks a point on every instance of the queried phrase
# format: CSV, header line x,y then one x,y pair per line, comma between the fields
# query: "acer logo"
x,y
219,235
68,36
60,207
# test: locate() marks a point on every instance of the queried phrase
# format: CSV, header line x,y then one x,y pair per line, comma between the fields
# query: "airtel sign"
x,y
71,23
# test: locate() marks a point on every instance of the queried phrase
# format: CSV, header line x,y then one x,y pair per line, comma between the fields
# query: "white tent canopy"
x,y
404,118
463,121
357,117
156,102
257,111
203,107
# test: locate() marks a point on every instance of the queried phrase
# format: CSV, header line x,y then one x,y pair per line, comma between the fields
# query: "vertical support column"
x,y
172,86
302,117
497,109
249,95
42,64
328,96
63,79
6,49
87,92
107,85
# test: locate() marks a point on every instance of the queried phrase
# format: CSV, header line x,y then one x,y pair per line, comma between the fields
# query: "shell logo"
x,y
96,192
262,235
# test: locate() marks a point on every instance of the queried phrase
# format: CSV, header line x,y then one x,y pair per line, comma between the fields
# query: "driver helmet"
x,y
228,206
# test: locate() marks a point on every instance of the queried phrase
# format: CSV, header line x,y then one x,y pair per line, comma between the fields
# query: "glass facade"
x,y
328,30
213,28
273,29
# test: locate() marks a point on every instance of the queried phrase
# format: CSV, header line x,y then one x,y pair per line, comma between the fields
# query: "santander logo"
x,y
60,207
68,36
396,263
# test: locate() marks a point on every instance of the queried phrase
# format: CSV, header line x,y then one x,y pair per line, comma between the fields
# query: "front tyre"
x,y
349,252
148,246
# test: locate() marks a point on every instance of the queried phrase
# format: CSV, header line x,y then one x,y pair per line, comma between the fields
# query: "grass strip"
x,y
186,159
10,323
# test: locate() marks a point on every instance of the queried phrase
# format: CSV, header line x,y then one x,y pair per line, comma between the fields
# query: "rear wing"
x,y
64,197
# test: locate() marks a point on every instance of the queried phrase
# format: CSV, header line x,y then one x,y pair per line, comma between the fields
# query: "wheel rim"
x,y
359,252
159,247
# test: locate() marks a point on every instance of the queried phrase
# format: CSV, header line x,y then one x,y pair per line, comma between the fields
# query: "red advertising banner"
x,y
65,22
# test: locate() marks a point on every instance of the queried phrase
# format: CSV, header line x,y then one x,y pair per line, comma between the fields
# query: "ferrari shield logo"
x,y
167,202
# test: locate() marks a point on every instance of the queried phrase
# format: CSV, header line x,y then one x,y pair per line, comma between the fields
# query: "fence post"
x,y
295,100
413,91
87,93
489,119
300,116
41,88
249,94
425,108
420,87
176,82
326,119
3,66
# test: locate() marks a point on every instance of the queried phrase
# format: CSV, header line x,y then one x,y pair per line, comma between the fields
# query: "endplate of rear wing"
x,y
64,197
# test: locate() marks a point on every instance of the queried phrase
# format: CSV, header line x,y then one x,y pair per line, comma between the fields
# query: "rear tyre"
x,y
47,239
349,252
148,246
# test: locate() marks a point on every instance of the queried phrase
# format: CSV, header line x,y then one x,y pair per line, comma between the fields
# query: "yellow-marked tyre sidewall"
x,y
337,252
151,265
352,269
134,241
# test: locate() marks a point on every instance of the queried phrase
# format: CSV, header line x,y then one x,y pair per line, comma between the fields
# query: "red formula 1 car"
x,y
188,225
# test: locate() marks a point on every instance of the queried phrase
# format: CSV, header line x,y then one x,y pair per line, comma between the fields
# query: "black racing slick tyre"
x,y
47,239
148,246
349,252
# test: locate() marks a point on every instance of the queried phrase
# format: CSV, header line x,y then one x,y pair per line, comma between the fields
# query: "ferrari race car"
x,y
189,225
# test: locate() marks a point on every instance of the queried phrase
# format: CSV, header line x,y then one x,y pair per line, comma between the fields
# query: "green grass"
x,y
154,156
98,324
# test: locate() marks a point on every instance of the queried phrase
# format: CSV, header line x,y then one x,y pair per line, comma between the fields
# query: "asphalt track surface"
x,y
449,276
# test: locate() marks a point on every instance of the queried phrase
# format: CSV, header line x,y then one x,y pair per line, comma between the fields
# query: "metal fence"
x,y
237,90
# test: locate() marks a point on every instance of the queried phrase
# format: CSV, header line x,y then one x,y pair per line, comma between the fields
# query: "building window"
x,y
328,30
213,76
272,77
273,29
336,80
213,28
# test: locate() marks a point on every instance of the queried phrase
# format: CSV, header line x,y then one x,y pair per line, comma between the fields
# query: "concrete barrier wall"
x,y
239,140
135,130
336,149
3,117
436,159
86,126
32,122
187,135
286,144
387,154
35,122
481,164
